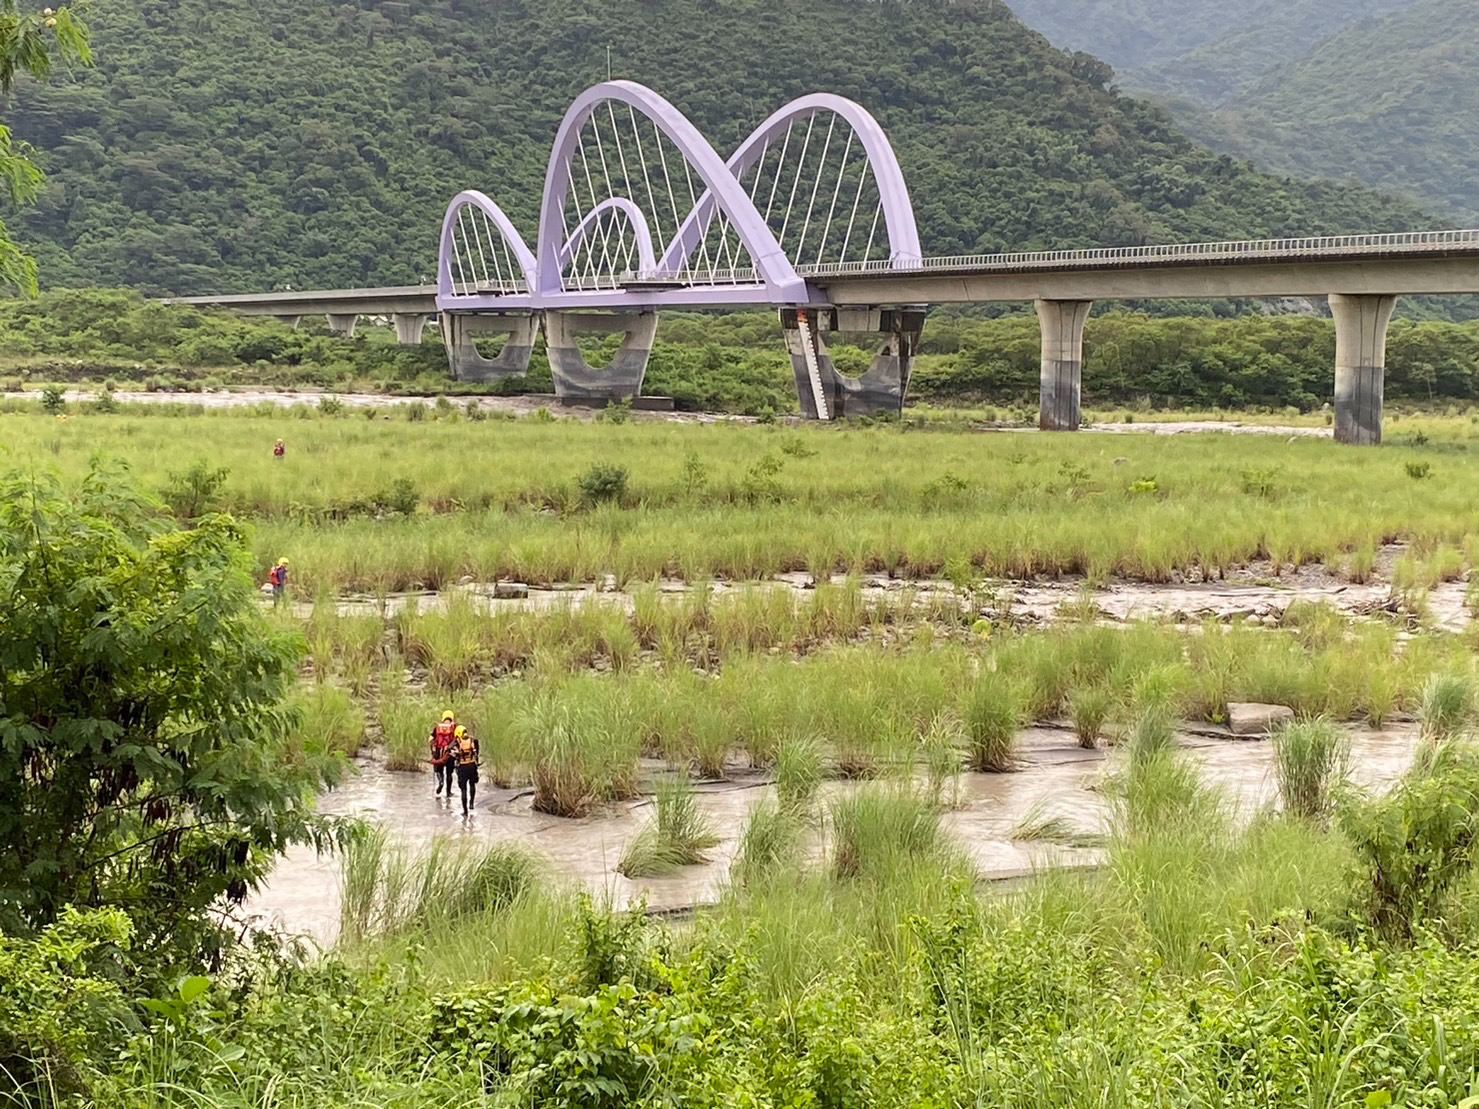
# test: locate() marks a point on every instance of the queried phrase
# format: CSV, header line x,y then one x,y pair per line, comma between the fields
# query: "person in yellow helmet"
x,y
441,752
465,756
278,579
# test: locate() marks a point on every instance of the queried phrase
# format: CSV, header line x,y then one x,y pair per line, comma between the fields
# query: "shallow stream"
x,y
1057,779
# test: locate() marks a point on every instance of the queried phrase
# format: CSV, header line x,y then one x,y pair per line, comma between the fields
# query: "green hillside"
x,y
232,145
1392,102
1379,91
1267,35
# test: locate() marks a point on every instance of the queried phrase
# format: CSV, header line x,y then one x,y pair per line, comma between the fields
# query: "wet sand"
x,y
1252,594
1057,779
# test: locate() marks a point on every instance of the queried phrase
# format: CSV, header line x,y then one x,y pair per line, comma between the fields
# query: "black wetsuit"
x,y
467,773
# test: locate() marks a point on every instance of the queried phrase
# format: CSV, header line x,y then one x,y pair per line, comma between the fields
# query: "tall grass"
x,y
388,888
676,837
1448,705
875,832
993,713
1311,759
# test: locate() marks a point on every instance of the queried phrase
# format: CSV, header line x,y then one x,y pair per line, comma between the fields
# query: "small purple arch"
x,y
771,263
518,249
898,212
645,256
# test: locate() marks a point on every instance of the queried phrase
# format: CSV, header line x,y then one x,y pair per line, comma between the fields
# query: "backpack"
x,y
442,736
467,752
275,578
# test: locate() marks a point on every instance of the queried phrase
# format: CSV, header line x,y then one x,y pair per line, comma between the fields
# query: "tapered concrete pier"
x,y
1360,365
1062,324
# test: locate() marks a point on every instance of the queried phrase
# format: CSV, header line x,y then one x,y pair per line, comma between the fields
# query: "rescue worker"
x,y
441,752
278,579
279,449
465,755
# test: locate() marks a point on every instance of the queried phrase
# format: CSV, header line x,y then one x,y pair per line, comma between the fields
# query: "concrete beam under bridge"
x,y
1401,277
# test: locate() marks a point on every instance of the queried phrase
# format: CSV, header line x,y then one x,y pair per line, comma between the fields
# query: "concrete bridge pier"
x,y
826,393
460,332
291,321
342,324
408,327
1062,326
575,377
1360,364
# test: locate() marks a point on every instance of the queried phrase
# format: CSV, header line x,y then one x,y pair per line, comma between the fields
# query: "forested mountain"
x,y
1393,102
1382,91
240,144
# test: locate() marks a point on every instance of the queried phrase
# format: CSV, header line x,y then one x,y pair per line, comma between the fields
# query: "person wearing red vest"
x,y
441,752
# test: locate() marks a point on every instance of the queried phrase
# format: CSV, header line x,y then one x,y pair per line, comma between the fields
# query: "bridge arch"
x,y
772,266
481,247
646,260
893,193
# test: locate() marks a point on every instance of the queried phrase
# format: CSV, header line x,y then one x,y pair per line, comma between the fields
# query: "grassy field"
x,y
384,504
1322,952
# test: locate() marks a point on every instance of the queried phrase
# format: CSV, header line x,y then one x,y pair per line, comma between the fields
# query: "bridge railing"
x,y
1240,249
1325,246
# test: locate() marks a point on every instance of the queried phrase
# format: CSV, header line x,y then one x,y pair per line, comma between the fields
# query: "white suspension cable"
x,y
872,231
672,200
494,238
832,209
759,167
796,182
779,169
815,186
646,177
693,204
862,180
458,252
608,259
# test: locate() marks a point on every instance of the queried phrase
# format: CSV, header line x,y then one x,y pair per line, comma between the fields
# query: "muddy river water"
x,y
1056,779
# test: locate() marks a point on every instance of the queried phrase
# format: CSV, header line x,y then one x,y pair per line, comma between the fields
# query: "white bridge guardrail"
x,y
1240,250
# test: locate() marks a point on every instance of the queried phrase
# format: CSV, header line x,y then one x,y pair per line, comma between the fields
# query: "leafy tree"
x,y
30,43
142,727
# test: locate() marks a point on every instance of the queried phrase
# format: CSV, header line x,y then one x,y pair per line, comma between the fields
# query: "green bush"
x,y
602,483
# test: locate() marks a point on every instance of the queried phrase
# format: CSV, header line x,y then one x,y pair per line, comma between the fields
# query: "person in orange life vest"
x,y
279,449
278,579
465,756
441,752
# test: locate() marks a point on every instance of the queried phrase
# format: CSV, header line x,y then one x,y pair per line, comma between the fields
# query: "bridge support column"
x,y
1062,326
342,324
575,377
826,393
1360,365
291,321
408,328
459,336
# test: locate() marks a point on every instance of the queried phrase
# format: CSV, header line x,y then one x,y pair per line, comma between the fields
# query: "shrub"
x,y
1415,844
191,493
330,406
1310,760
1417,471
53,399
603,482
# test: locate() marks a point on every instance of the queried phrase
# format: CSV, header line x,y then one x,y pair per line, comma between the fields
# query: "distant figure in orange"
x,y
279,449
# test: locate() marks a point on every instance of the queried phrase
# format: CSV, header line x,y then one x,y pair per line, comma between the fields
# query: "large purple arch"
x,y
774,268
898,212
518,249
634,216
